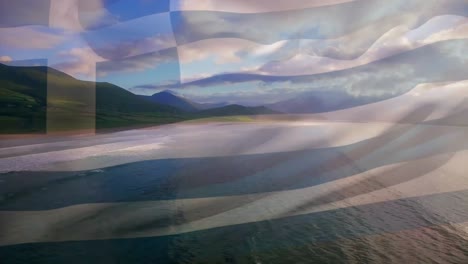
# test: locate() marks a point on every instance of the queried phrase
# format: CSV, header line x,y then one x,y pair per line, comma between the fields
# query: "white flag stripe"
x,y
122,220
167,144
303,56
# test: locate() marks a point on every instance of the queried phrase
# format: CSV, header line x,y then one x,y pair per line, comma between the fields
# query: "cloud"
x,y
30,37
380,79
299,57
232,50
305,62
193,78
155,87
79,62
133,37
374,18
138,63
223,50
149,89
24,12
250,6
458,31
5,59
134,47
64,14
94,15
395,41
222,42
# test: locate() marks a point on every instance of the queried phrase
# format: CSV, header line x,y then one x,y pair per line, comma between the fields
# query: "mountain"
x,y
384,78
36,99
23,96
168,97
29,94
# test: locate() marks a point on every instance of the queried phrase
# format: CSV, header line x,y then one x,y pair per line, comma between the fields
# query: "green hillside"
x,y
40,99
23,98
30,94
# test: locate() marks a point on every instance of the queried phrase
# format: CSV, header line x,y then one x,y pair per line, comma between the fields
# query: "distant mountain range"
x,y
312,102
383,79
168,97
37,98
319,102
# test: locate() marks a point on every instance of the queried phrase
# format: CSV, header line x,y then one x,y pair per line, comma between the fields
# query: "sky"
x,y
250,52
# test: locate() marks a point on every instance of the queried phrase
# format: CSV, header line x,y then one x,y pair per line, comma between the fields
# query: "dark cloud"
x,y
14,13
388,77
138,63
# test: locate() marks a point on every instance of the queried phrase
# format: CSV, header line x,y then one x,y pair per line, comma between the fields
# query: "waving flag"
x,y
365,160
